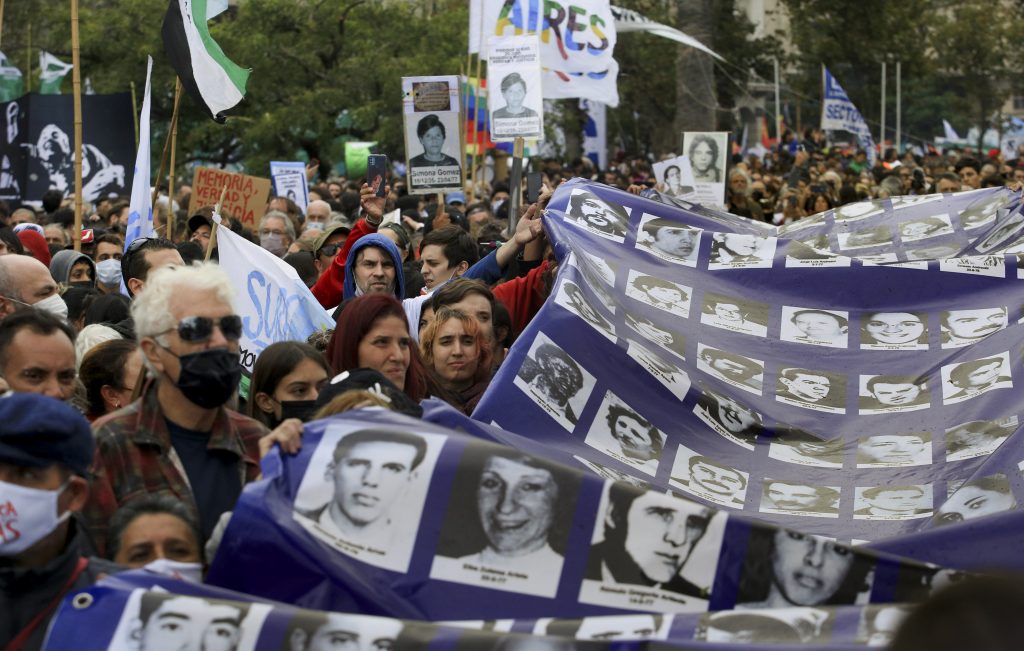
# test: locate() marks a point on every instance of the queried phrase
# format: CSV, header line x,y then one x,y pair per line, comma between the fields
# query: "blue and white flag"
x,y
949,132
839,114
140,209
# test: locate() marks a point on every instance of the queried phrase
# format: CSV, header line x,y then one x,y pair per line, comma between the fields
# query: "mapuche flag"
x,y
214,81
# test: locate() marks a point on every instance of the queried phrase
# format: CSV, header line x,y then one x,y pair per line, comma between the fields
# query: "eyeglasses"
x,y
197,329
330,249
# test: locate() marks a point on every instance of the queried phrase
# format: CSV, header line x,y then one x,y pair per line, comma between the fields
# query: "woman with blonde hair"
x,y
455,347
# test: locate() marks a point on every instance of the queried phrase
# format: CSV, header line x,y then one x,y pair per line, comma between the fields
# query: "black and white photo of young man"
x,y
654,543
796,498
363,492
794,445
572,298
880,394
314,630
969,326
973,378
865,237
812,389
669,375
656,334
925,227
977,438
508,522
815,252
743,372
814,326
554,381
155,620
608,628
892,502
894,450
592,214
669,240
741,251
709,479
729,417
736,315
659,293
623,434
790,626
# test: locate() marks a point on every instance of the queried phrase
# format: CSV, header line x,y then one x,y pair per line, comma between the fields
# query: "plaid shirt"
x,y
134,458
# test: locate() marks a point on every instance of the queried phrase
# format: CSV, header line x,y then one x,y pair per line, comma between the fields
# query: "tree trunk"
x,y
695,74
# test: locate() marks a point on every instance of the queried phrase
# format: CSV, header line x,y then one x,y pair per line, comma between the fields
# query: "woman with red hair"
x,y
372,332
458,350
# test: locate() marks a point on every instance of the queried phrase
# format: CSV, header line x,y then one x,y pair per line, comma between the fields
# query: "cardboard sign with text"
x,y
245,200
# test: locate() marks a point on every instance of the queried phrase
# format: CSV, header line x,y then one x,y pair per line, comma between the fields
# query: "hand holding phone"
x,y
534,181
377,173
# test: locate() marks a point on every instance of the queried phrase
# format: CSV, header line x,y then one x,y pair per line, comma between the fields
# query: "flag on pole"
x,y
213,80
52,73
950,132
839,114
627,20
140,209
12,83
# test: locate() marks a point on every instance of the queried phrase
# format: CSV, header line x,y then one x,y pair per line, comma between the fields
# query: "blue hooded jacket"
x,y
381,242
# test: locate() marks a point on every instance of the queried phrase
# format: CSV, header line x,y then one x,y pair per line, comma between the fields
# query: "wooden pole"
x,y
163,158
135,116
515,183
170,177
478,153
1,19
213,231
76,86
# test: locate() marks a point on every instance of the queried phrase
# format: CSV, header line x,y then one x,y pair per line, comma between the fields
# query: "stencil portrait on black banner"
x,y
736,315
706,478
652,551
364,491
507,523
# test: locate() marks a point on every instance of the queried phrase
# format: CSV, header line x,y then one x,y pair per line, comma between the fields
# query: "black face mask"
x,y
301,409
209,377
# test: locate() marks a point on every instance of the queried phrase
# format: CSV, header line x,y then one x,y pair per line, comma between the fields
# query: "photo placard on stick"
x,y
432,136
513,70
709,154
676,175
245,199
290,181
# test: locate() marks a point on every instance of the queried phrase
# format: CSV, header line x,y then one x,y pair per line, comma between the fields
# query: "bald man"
x,y
317,214
24,282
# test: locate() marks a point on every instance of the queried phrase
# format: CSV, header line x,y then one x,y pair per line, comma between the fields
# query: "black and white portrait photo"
x,y
363,491
892,502
794,445
572,298
983,211
969,326
595,268
516,118
789,626
314,630
608,628
736,315
712,480
879,624
611,474
880,394
784,568
815,252
741,251
652,551
977,498
597,216
812,389
814,326
623,434
743,372
707,153
507,523
797,498
729,417
937,252
656,334
978,438
865,237
671,376
554,381
968,380
1005,234
669,240
925,227
993,266
437,165
852,212
156,620
659,293
894,450
894,331
675,177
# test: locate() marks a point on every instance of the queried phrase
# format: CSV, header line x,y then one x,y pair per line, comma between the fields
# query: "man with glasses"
x,y
179,438
143,255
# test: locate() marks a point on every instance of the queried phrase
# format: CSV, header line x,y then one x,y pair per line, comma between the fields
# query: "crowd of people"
x,y
121,364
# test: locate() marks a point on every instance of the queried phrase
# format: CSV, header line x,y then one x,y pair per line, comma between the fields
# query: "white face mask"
x,y
108,272
55,305
177,569
27,515
315,226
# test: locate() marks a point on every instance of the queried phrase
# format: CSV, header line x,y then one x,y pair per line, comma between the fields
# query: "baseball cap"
x,y
456,197
39,431
327,232
202,217
368,379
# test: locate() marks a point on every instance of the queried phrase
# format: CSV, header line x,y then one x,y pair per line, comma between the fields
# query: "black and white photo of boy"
x,y
893,502
812,389
659,293
969,326
865,237
993,266
669,375
657,335
554,381
968,380
894,450
728,313
925,227
623,434
608,628
729,417
741,251
894,331
155,620
709,479
743,372
363,492
572,298
508,522
880,394
664,548
976,498
794,445
671,241
592,214
978,438
796,498
783,569
815,326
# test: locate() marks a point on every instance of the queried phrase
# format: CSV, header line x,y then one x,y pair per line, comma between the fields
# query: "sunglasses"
x,y
330,249
196,329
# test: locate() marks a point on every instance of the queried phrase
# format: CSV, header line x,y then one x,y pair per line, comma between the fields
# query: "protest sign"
x,y
430,106
289,179
245,199
513,70
839,113
709,156
273,302
676,176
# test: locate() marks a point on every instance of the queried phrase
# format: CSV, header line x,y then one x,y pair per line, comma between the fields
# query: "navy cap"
x,y
38,431
368,379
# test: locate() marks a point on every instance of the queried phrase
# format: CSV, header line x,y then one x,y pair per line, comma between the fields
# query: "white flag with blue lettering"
x,y
839,114
140,210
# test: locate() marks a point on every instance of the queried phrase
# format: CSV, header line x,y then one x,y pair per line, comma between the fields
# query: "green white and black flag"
x,y
12,83
212,79
51,73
